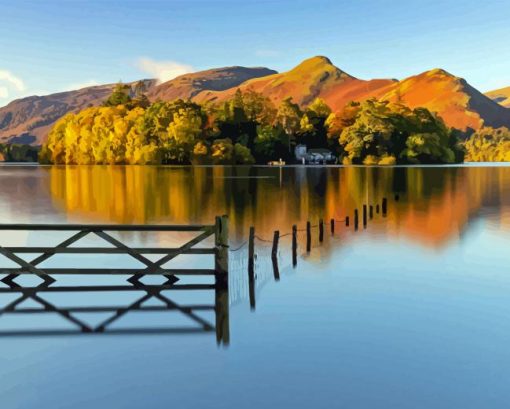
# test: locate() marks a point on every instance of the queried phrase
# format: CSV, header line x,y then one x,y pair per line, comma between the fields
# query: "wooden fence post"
x,y
346,221
332,226
364,216
384,206
276,238
321,230
221,255
377,208
356,219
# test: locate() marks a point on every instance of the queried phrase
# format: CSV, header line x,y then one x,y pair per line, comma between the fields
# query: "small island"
x,y
247,129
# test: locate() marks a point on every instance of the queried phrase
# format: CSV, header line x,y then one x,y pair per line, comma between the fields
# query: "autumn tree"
x,y
258,108
185,130
313,130
488,145
222,151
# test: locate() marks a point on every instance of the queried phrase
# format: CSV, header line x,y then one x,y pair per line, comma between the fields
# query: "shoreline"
x,y
445,165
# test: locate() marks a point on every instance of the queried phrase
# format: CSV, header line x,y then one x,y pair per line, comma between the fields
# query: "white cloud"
x,y
12,80
4,92
163,70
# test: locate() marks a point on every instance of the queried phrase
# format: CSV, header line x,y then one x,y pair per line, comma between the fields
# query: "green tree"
x,y
242,155
427,148
313,130
258,108
271,144
381,131
289,117
140,99
119,96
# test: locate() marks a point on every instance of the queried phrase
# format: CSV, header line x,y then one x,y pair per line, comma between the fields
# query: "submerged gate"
x,y
49,277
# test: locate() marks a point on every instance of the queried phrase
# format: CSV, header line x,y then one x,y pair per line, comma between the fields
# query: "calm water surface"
x,y
411,312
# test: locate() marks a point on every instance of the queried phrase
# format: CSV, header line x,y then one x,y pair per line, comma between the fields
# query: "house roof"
x,y
321,151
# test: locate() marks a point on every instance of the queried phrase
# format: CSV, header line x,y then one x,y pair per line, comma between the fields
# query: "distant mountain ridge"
x,y
305,82
188,86
28,120
501,96
458,103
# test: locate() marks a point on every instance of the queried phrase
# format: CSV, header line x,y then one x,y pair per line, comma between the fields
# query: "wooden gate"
x,y
134,275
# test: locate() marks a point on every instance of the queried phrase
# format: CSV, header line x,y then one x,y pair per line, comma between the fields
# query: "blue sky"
x,y
49,46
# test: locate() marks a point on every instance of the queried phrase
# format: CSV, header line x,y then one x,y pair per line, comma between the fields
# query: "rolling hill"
x,y
501,96
28,120
189,85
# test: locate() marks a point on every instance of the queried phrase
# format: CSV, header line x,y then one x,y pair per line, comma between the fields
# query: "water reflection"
x,y
68,313
436,203
403,305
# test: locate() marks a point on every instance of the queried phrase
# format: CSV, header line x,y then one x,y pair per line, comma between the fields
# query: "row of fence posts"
x,y
367,214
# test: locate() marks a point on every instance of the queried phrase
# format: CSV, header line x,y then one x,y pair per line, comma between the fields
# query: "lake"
x,y
412,311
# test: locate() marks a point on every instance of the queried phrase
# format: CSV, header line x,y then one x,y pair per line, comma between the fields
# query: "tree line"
x,y
248,128
13,152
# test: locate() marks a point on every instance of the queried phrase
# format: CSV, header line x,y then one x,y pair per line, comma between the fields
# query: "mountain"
x,y
188,85
28,120
314,77
501,96
458,103
451,97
